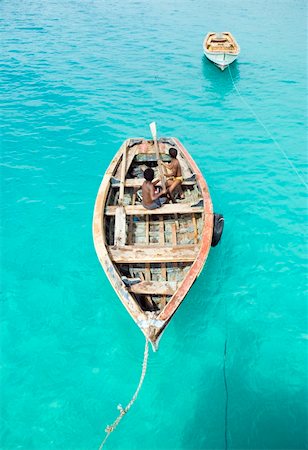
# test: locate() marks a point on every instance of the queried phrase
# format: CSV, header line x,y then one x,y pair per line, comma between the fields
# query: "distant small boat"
x,y
152,257
221,48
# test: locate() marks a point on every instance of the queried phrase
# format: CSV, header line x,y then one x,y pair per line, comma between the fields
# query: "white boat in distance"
x,y
221,48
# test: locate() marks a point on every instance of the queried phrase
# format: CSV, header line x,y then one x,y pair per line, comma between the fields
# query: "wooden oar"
x,y
120,215
161,172
162,176
123,173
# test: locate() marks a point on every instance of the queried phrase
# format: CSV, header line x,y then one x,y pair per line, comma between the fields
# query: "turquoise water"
x,y
77,78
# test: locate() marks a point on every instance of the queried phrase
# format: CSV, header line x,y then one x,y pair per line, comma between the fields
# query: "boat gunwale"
x,y
205,246
99,238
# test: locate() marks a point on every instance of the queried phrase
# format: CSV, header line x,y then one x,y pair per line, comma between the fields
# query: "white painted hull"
x,y
222,60
221,48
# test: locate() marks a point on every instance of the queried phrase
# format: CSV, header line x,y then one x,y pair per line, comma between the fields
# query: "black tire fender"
x,y
218,226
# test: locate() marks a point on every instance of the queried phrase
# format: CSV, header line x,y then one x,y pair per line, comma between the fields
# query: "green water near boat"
x,y
77,79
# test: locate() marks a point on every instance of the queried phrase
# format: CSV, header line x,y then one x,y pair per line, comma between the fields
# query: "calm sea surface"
x,y
79,77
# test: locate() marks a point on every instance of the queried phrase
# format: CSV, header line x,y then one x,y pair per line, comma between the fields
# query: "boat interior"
x,y
221,42
152,250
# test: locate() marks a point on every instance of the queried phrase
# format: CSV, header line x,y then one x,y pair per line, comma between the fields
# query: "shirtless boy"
x,y
151,199
173,173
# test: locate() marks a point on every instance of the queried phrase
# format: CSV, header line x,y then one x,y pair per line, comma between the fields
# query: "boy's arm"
x,y
160,194
154,196
166,165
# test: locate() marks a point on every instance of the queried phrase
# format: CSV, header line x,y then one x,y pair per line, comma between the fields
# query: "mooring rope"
x,y
224,367
110,428
227,397
278,146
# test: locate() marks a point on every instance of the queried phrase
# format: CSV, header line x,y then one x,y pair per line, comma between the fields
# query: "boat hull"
x,y
221,48
169,284
221,60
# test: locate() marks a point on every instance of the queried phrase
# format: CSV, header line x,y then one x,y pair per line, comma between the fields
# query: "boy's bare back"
x,y
148,192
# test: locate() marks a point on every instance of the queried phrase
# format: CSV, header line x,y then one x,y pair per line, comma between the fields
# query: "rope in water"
x,y
227,397
110,428
226,318
269,134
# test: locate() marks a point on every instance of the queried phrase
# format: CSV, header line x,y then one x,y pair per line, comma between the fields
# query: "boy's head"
x,y
148,174
173,152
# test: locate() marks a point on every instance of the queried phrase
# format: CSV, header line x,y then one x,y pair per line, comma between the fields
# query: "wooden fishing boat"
x,y
151,257
221,48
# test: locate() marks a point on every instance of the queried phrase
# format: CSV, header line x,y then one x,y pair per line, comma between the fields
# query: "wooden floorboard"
x,y
120,226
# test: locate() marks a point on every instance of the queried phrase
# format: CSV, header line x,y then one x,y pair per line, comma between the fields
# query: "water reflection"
x,y
219,81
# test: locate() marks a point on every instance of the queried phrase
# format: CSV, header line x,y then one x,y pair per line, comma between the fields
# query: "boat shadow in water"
x,y
218,81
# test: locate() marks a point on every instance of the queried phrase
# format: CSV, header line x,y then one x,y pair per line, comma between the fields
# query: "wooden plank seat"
x,y
154,288
153,254
137,183
171,208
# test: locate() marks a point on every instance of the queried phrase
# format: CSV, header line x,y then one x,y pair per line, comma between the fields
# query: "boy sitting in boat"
x,y
150,198
173,173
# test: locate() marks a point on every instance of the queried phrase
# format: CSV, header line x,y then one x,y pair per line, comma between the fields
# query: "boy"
x,y
151,199
173,173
